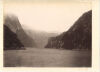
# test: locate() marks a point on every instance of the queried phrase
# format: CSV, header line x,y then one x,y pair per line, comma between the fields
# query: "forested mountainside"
x,y
79,36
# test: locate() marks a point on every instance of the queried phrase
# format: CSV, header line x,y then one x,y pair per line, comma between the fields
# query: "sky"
x,y
47,16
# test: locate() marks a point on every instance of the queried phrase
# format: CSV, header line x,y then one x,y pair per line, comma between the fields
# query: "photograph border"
x,y
95,47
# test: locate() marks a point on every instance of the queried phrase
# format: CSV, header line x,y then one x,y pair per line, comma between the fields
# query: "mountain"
x,y
40,37
12,22
79,36
11,40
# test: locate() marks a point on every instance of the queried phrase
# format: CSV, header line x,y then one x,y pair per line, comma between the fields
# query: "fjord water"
x,y
46,57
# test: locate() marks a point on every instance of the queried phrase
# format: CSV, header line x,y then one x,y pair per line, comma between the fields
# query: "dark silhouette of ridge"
x,y
11,41
79,36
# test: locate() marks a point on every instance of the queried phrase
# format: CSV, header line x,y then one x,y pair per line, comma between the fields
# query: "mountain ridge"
x,y
79,35
12,22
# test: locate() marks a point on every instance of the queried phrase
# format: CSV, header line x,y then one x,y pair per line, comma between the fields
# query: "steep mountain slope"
x,y
12,22
79,36
40,37
11,40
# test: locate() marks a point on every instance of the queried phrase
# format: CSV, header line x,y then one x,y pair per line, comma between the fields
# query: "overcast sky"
x,y
47,16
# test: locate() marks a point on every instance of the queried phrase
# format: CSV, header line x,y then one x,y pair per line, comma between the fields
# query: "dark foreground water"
x,y
41,57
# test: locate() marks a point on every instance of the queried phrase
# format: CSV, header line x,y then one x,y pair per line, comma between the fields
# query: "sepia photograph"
x,y
47,33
